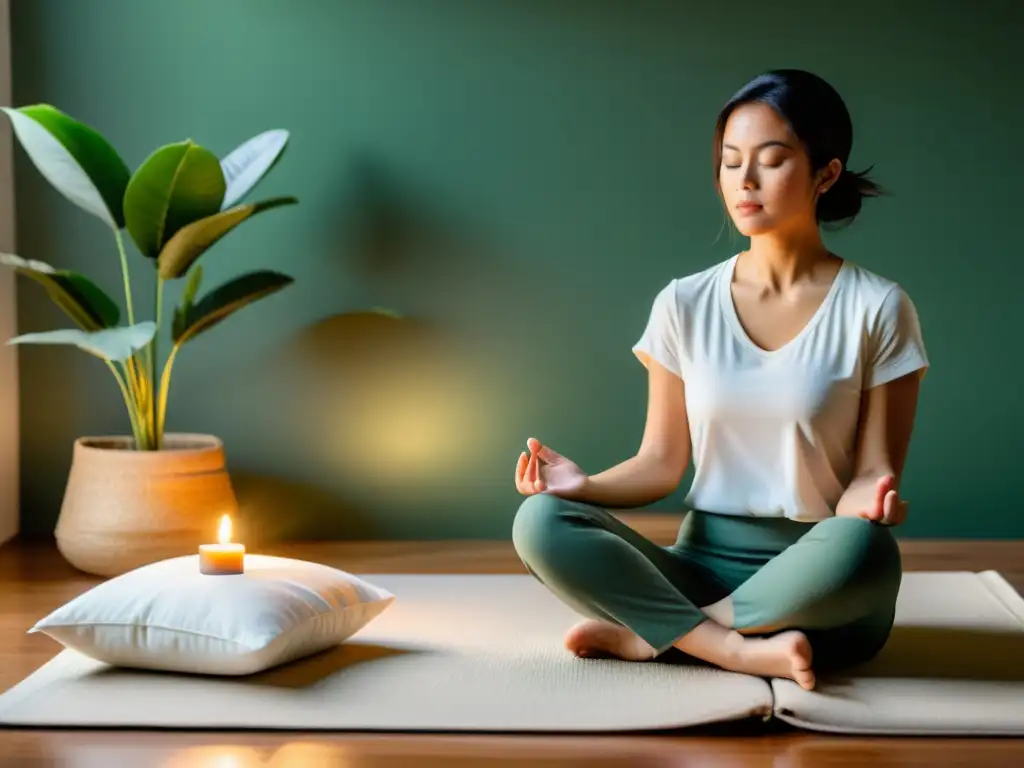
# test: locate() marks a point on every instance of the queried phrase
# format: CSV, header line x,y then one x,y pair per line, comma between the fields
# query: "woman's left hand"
x,y
875,500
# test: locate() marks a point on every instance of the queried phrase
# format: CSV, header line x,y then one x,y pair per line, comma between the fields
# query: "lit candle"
x,y
225,558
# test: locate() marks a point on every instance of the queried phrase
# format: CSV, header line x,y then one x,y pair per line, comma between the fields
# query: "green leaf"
x,y
191,241
227,299
115,344
192,286
81,299
79,162
249,162
188,296
176,185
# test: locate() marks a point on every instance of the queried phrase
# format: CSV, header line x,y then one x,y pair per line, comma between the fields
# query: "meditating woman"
x,y
790,375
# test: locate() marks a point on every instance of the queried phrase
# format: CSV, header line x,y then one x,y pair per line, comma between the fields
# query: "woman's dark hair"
x,y
819,118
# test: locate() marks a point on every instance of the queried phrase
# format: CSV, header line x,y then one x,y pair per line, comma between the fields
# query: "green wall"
x,y
518,179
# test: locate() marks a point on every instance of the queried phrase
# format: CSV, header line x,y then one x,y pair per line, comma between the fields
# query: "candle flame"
x,y
224,531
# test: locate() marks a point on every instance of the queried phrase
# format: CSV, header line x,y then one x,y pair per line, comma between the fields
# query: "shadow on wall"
x,y
276,509
388,231
363,406
373,409
422,257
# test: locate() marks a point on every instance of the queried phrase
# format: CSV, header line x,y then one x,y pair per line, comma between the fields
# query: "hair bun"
x,y
843,199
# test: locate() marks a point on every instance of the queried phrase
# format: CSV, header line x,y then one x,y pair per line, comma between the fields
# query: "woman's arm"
x,y
660,463
883,440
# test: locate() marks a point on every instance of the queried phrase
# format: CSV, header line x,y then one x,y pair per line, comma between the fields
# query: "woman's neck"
x,y
778,261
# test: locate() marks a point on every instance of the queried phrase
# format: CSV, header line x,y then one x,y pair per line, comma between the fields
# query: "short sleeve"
x,y
661,339
897,345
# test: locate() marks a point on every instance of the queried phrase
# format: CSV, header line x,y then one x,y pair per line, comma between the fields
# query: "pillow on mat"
x,y
169,616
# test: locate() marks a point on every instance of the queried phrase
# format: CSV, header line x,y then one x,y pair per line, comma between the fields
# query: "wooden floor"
x,y
34,580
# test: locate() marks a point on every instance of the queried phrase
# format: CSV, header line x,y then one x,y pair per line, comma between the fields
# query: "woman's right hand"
x,y
544,470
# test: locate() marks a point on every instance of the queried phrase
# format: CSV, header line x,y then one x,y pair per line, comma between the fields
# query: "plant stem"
x,y
127,401
157,421
137,401
159,299
127,379
134,384
165,383
139,389
125,276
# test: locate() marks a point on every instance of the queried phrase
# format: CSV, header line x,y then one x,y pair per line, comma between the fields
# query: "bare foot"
x,y
787,654
601,638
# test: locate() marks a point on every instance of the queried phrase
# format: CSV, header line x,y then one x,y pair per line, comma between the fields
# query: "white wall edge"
x,y
9,424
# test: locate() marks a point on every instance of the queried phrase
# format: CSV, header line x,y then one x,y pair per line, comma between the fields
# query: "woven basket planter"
x,y
124,508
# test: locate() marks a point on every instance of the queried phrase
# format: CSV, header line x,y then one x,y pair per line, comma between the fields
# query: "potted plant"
x,y
133,499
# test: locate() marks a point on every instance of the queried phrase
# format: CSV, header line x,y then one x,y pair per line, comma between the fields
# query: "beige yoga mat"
x,y
484,653
954,665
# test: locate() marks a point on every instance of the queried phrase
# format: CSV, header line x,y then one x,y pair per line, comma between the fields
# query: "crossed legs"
x,y
827,599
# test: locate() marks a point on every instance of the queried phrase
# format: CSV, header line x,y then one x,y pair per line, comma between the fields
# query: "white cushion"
x,y
169,616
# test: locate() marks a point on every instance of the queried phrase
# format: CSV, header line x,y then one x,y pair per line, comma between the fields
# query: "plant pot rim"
x,y
177,443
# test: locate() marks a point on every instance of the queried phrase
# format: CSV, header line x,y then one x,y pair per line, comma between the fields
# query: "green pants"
x,y
836,580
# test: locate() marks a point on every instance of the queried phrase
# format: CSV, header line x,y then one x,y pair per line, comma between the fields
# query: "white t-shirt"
x,y
773,433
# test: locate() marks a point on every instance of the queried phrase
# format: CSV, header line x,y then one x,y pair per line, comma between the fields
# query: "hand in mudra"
x,y
876,500
544,470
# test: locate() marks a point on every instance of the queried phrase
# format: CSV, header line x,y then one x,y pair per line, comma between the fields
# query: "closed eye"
x,y
763,165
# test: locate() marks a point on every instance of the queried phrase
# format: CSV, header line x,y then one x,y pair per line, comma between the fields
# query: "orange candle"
x,y
225,558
